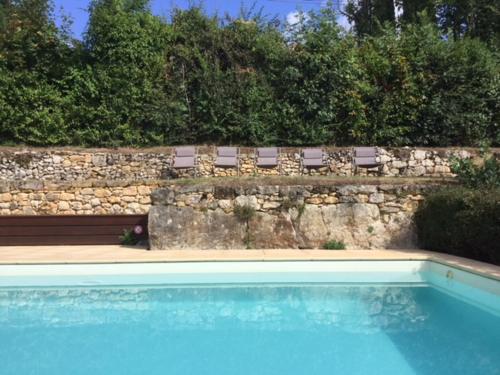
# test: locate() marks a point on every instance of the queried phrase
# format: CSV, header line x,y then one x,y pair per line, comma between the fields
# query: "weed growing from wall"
x,y
245,214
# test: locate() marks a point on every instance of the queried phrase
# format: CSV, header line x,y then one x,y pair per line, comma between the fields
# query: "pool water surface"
x,y
322,328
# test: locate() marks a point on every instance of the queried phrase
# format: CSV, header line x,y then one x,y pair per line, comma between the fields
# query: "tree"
x,y
34,56
117,92
412,9
369,15
220,78
321,85
429,91
473,18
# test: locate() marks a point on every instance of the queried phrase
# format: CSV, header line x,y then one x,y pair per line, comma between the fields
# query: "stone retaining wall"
x,y
64,165
76,198
80,164
363,213
208,217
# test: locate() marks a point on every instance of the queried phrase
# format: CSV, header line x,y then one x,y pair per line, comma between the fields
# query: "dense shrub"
x,y
334,245
462,222
483,175
138,79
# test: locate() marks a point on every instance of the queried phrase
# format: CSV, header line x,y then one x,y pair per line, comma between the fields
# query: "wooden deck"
x,y
67,230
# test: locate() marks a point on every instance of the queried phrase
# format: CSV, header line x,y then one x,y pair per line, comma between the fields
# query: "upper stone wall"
x,y
68,165
83,164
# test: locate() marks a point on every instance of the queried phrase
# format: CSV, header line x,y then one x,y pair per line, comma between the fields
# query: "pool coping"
x,y
29,255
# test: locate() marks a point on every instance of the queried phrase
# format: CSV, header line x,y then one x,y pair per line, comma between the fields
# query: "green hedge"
x,y
137,79
461,222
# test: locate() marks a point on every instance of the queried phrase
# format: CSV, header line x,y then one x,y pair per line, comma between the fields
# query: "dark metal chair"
x,y
365,157
227,157
312,158
185,157
267,157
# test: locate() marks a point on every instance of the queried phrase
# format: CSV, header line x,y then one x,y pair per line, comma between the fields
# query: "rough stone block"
x,y
5,197
186,228
419,154
63,206
247,200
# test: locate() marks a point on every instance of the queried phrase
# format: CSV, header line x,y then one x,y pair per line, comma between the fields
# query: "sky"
x,y
284,9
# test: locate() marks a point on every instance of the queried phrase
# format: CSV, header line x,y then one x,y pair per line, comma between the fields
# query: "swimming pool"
x,y
383,317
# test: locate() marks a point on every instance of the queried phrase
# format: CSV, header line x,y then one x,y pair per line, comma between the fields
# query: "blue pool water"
x,y
278,329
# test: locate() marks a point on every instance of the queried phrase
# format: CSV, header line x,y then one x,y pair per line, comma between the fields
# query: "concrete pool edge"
x,y
125,255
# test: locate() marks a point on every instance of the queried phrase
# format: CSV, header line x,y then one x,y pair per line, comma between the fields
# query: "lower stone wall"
x,y
362,213
76,198
210,217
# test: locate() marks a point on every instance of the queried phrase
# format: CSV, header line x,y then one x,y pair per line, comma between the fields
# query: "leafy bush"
x,y
334,245
461,222
486,174
129,238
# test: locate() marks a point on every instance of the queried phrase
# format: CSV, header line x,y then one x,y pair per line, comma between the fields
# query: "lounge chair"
x,y
184,157
312,158
227,157
267,157
365,157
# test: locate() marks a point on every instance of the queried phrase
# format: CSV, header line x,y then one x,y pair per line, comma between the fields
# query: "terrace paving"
x,y
127,254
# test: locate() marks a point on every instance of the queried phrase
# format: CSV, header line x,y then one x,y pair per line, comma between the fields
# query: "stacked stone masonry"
x,y
76,198
154,164
361,216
